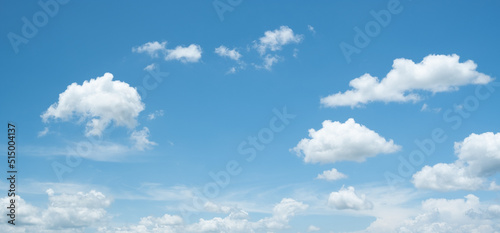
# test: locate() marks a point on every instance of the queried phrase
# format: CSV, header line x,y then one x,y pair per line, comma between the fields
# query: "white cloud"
x,y
441,215
43,132
65,212
274,40
478,158
295,53
436,73
331,175
223,51
313,228
269,61
150,67
346,198
99,102
347,141
192,53
151,48
232,70
311,28
140,138
455,215
236,221
446,177
155,114
212,207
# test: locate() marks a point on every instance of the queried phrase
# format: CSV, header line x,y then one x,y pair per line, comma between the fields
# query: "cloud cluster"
x,y
236,221
99,102
435,73
65,212
455,215
191,53
478,158
266,46
346,198
347,141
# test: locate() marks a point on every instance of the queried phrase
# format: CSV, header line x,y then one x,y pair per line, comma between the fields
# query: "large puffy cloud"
x,y
338,141
478,158
436,73
192,53
65,213
99,102
346,198
274,40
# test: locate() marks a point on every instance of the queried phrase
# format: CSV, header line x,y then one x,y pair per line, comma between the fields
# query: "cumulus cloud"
x,y
331,175
140,139
346,198
436,73
65,212
151,48
236,221
274,40
347,141
192,53
223,51
478,158
454,215
99,102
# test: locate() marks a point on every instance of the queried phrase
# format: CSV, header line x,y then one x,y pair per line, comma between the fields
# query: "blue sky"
x,y
126,113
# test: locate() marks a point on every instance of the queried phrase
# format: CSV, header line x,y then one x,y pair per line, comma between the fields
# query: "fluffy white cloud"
x,y
481,152
313,228
269,61
436,73
236,221
446,177
348,141
192,53
478,158
331,175
455,215
151,48
65,213
346,198
274,40
212,207
140,138
99,102
223,51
